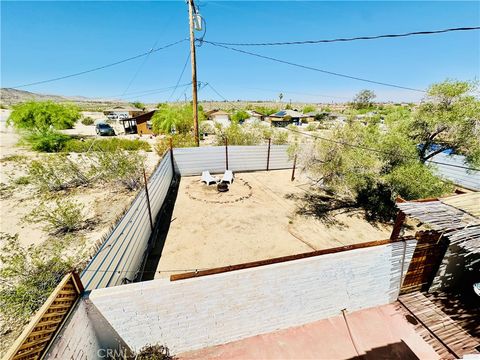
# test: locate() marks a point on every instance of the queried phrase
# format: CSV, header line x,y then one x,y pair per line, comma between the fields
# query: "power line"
x,y
100,67
180,77
313,68
415,33
376,150
358,146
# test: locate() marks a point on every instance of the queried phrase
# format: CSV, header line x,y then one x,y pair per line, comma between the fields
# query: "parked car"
x,y
103,129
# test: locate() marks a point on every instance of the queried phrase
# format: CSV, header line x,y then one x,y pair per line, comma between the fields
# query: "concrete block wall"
x,y
77,339
211,310
87,335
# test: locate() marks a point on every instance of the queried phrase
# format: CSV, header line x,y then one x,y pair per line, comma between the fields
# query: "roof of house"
x,y
456,216
142,117
218,112
254,113
123,108
288,112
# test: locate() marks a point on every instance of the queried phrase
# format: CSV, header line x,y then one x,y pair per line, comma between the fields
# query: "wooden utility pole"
x,y
191,10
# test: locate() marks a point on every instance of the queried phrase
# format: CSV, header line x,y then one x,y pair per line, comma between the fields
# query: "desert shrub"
x,y
138,105
28,275
47,140
308,108
123,167
39,116
206,128
80,146
54,173
178,141
13,158
312,127
88,121
239,135
279,137
22,180
154,352
61,216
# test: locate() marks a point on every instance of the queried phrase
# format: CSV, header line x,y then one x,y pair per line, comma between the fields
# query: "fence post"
x,y
148,199
171,154
226,153
268,155
293,169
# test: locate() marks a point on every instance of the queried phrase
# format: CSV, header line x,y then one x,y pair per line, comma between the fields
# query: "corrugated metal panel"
x,y
192,161
469,179
122,253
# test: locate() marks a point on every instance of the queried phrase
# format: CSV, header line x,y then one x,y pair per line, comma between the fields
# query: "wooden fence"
x,y
428,255
33,341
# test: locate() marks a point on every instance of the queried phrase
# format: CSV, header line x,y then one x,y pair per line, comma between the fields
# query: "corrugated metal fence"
x,y
121,255
192,161
469,179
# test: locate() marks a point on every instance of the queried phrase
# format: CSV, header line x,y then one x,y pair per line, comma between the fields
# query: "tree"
x,y
43,115
448,118
374,164
280,97
240,116
363,99
308,108
138,105
174,117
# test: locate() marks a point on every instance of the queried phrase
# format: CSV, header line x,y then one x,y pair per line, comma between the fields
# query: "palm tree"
x,y
280,97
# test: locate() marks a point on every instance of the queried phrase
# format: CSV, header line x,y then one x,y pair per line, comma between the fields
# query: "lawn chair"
x,y
208,179
228,177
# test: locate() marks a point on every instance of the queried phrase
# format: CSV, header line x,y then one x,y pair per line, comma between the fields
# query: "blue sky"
x,y
42,40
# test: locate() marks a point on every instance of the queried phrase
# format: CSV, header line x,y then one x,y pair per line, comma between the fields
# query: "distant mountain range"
x,y
10,97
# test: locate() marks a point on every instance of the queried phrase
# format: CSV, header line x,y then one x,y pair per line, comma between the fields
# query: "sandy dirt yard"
x,y
261,217
103,204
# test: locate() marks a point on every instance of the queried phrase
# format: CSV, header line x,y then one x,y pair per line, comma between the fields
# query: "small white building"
x,y
220,117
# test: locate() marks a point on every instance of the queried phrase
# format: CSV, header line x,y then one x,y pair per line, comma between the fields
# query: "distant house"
x,y
219,117
141,124
122,112
286,117
255,115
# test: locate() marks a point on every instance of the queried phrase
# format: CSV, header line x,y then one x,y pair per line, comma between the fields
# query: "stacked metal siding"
x,y
121,255
469,179
192,161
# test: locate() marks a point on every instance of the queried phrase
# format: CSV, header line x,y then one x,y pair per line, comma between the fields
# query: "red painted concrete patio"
x,y
377,333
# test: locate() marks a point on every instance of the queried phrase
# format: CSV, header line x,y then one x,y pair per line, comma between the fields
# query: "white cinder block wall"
x,y
200,312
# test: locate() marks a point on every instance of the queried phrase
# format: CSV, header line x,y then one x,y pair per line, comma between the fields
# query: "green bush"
x,y
123,167
88,121
178,140
40,116
280,137
22,180
62,216
312,127
46,140
308,109
80,146
58,172
29,275
239,135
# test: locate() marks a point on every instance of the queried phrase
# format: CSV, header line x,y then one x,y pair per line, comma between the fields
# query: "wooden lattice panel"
x,y
426,259
41,329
